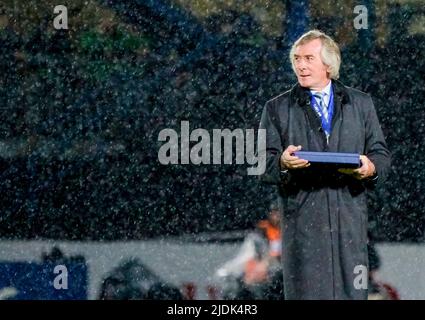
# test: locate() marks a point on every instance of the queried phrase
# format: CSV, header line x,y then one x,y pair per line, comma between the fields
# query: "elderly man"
x,y
324,210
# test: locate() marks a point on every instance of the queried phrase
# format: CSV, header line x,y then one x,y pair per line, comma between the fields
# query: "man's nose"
x,y
301,65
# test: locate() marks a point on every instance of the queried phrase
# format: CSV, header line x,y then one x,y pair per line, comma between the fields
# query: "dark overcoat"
x,y
324,211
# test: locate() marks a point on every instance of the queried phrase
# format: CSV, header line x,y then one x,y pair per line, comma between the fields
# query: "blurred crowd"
x,y
255,273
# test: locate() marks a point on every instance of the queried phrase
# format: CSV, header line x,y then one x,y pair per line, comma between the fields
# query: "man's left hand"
x,y
367,169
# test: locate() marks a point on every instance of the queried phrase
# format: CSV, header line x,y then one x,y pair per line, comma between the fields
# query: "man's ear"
x,y
328,69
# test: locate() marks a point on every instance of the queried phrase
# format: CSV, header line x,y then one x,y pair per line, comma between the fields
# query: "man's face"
x,y
311,72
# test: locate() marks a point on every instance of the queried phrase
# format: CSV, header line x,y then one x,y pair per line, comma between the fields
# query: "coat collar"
x,y
302,97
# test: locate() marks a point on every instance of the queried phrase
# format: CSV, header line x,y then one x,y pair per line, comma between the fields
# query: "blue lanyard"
x,y
326,124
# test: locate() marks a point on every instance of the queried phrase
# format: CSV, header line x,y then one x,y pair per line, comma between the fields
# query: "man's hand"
x,y
288,161
367,169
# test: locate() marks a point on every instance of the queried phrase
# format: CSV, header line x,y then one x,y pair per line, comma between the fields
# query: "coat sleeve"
x,y
375,146
273,145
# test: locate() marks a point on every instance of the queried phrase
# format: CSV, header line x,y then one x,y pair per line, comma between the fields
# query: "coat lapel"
x,y
302,98
340,99
314,122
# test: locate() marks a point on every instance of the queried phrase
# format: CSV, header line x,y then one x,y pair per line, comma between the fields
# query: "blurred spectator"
x,y
255,272
116,287
162,291
132,280
55,255
262,272
378,290
58,257
189,291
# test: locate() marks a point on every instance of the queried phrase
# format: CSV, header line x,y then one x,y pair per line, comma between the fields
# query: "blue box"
x,y
332,159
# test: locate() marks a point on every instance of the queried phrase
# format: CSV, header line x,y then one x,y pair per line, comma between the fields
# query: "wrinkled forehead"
x,y
312,47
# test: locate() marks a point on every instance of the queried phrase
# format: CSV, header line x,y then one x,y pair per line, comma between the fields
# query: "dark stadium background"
x,y
81,110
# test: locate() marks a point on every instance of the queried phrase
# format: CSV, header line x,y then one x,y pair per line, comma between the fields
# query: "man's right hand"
x,y
289,161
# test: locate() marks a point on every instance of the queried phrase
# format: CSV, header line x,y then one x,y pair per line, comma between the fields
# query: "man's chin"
x,y
304,83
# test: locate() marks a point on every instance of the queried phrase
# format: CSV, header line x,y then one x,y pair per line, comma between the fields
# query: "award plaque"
x,y
331,159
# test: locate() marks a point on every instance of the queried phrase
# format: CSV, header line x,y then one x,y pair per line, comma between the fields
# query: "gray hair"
x,y
330,53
